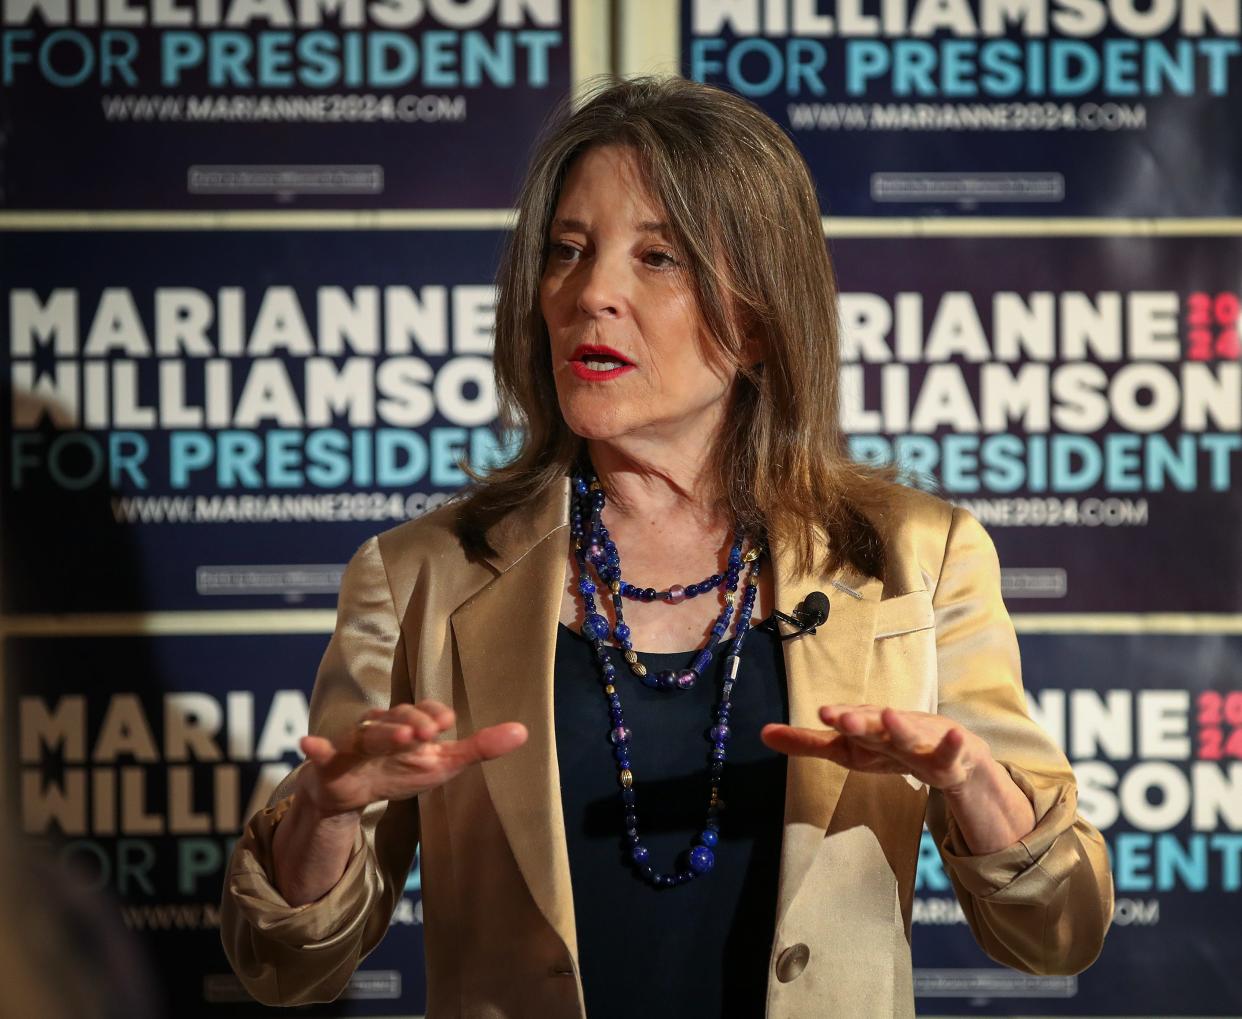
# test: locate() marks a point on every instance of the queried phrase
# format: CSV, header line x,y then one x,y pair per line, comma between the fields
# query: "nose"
x,y
602,290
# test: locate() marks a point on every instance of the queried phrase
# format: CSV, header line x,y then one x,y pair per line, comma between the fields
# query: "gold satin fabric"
x,y
417,619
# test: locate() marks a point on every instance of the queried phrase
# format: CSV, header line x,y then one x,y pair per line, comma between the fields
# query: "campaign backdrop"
x,y
224,432
1153,727
135,760
1037,108
200,419
219,419
275,103
1082,396
216,420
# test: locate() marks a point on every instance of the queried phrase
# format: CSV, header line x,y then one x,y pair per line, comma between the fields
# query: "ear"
x,y
754,345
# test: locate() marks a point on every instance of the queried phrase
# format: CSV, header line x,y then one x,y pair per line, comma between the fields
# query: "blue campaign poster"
x,y
275,105
982,107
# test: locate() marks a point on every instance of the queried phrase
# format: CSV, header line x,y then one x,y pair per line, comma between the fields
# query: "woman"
x,y
675,831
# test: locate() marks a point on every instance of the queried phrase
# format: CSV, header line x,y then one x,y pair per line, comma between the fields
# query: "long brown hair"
x,y
742,207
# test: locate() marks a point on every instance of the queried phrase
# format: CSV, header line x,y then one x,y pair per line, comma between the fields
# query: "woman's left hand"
x,y
991,811
932,748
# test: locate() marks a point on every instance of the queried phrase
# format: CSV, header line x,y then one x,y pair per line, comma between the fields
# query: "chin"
x,y
590,417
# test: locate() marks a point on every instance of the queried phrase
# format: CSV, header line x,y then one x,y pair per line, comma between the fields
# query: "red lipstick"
x,y
587,357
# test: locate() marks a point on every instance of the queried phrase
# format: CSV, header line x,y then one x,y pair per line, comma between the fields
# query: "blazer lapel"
x,y
828,667
505,637
503,684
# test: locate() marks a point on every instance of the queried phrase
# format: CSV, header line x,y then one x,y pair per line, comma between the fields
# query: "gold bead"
x,y
631,657
752,555
615,587
578,544
610,689
595,486
627,778
638,668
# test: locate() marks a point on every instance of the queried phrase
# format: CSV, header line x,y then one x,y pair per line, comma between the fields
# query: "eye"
x,y
562,252
660,259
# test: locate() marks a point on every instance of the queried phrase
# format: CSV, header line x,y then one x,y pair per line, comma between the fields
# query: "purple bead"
x,y
649,594
620,734
666,679
640,854
701,661
676,594
720,733
708,837
685,679
586,586
622,632
595,550
702,859
596,626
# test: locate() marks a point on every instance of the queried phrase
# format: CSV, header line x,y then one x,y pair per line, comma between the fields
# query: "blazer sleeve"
x,y
291,955
1043,904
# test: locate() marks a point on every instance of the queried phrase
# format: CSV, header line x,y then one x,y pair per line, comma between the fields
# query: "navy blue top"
x,y
702,948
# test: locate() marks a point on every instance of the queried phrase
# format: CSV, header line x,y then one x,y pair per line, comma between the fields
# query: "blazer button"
x,y
791,962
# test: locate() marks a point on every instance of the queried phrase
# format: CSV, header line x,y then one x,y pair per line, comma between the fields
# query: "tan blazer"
x,y
417,619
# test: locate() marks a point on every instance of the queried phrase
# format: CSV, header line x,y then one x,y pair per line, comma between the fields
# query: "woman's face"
x,y
629,349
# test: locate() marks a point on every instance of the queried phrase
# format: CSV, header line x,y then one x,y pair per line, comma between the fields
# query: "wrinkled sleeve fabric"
x,y
1043,904
292,955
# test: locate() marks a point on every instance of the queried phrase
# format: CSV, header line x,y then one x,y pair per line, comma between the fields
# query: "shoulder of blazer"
x,y
427,551
914,527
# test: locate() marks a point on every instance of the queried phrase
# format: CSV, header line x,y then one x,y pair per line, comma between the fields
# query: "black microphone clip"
x,y
811,612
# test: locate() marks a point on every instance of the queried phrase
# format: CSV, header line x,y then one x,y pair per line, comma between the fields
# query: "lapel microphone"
x,y
810,613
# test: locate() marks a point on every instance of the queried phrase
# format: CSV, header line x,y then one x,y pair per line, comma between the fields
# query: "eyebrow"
x,y
647,226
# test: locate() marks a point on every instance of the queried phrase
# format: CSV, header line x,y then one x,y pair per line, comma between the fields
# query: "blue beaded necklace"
x,y
594,549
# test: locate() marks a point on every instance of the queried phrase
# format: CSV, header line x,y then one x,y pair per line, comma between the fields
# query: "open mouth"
x,y
595,362
599,363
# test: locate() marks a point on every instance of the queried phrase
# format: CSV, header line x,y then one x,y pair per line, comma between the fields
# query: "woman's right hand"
x,y
393,754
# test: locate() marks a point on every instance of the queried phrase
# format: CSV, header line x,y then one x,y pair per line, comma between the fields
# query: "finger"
x,y
378,738
797,742
318,750
486,744
847,751
950,751
441,714
906,736
833,711
861,721
424,726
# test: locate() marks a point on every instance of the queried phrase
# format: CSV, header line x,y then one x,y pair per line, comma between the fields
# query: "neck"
x,y
656,482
